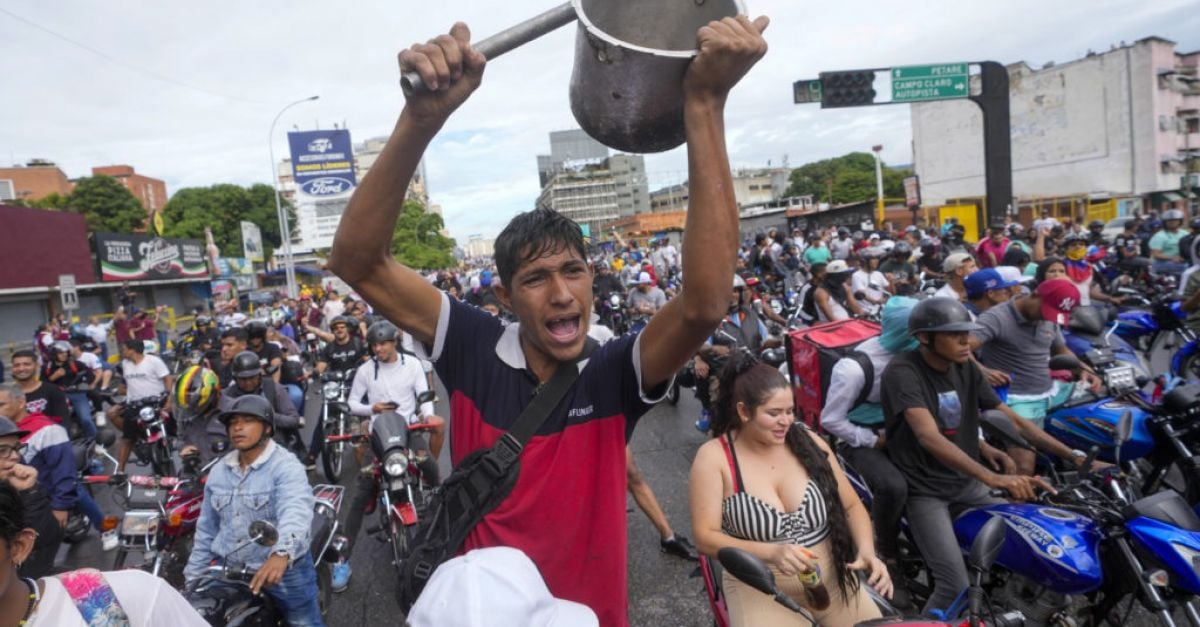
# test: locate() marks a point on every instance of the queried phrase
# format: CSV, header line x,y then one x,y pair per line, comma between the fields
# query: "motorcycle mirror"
x,y
1064,362
428,396
996,424
1124,428
263,533
753,572
219,446
986,546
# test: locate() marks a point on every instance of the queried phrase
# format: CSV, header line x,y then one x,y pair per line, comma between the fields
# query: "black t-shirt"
x,y
342,357
1127,244
76,373
268,352
48,399
953,397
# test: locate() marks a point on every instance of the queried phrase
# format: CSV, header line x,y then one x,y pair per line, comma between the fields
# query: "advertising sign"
x,y
322,162
137,256
912,191
233,266
252,246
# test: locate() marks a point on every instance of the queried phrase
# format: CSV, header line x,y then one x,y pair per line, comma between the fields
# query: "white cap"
x,y
643,279
494,587
836,266
1013,273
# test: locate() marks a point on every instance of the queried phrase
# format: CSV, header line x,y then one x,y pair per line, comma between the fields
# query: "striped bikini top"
x,y
748,517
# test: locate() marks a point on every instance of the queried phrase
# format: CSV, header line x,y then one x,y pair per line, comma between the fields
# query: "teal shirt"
x,y
820,254
1167,242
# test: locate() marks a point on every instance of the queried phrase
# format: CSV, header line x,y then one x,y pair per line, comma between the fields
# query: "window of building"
x,y
7,191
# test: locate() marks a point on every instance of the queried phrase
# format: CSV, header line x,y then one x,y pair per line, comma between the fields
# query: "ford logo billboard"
x,y
326,186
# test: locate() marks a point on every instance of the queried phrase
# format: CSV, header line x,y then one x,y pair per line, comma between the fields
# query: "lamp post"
x,y
285,230
878,186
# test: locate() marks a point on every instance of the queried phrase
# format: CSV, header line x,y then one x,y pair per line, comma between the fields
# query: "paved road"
x,y
662,588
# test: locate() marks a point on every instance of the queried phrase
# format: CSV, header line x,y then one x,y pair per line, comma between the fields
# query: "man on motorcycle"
x,y
256,338
41,397
233,341
144,376
343,352
986,288
74,378
1164,245
258,480
198,401
248,379
956,268
390,382
931,400
646,297
902,274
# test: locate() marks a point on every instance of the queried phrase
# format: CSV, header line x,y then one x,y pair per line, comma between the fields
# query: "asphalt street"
x,y
663,590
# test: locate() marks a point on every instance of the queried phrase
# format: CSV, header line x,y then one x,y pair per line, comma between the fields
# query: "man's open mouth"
x,y
565,328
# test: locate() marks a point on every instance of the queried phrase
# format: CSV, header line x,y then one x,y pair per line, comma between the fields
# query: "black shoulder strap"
x,y
868,369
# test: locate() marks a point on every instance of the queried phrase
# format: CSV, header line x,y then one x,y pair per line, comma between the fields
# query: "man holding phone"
x,y
390,381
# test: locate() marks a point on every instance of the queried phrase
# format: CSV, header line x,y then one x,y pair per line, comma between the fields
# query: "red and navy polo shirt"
x,y
567,511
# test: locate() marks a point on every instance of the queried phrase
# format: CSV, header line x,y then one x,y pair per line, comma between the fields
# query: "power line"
x,y
129,66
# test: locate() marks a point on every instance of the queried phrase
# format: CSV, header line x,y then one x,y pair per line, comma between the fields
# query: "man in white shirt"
x,y
98,332
145,376
334,306
956,267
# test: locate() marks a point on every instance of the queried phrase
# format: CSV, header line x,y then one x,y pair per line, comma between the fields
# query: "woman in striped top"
x,y
772,487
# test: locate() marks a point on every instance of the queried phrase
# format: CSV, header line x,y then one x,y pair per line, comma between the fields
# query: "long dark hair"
x,y
12,513
1044,265
744,379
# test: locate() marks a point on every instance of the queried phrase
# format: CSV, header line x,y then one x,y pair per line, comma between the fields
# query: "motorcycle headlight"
x,y
139,523
1189,554
395,464
614,300
1120,380
332,390
146,413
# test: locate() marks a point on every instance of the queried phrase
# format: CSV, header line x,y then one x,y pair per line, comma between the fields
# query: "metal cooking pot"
x,y
630,59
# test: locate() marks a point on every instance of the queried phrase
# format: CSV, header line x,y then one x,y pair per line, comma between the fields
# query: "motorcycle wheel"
x,y
160,460
333,455
1190,368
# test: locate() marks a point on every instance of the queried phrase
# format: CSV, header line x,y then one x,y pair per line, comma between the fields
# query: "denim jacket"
x,y
274,488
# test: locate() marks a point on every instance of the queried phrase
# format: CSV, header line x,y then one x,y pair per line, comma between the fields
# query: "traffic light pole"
x,y
997,141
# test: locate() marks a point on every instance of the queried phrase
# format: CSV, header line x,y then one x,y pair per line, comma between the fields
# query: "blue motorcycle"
x,y
1088,331
1165,318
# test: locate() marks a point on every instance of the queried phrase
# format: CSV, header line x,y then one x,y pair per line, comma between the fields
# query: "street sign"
x,y
807,91
912,191
917,83
66,291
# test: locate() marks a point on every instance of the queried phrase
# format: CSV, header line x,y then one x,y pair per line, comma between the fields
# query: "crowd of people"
x,y
956,321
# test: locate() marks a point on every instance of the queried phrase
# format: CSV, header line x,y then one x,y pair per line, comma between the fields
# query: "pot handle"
x,y
506,40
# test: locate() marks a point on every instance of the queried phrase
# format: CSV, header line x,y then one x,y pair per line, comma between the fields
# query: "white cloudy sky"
x,y
186,91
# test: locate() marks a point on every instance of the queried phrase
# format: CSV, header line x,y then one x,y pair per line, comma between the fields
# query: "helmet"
x,y
911,229
843,231
902,248
150,347
256,329
1195,224
1094,224
203,320
857,235
1172,214
738,282
1073,237
197,390
939,315
249,405
61,347
246,364
1015,229
344,320
382,331
277,317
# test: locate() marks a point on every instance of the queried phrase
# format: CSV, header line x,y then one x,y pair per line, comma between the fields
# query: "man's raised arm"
x,y
361,253
728,49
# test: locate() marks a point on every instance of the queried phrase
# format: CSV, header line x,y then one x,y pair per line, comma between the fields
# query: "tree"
x,y
223,208
106,205
417,241
853,178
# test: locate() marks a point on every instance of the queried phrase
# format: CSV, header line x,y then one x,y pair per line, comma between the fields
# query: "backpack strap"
x,y
94,598
731,457
868,369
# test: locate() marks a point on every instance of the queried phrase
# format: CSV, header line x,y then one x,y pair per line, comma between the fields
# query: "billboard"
x,y
49,244
252,246
126,257
322,162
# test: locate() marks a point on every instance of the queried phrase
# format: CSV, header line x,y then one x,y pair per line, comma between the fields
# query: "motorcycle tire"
x,y
161,462
333,456
1190,368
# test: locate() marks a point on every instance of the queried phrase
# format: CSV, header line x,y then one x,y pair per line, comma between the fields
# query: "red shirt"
x,y
987,249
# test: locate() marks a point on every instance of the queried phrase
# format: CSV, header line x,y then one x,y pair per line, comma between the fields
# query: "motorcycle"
x,y
85,451
335,420
222,595
160,517
327,546
311,349
982,555
153,445
1165,318
612,313
1087,331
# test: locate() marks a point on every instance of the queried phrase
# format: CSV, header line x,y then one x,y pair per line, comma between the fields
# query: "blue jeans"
x,y
297,396
87,505
162,341
81,406
296,594
1168,267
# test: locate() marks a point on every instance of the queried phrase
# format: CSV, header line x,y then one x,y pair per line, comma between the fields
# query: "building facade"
x,y
149,191
580,180
1122,125
33,181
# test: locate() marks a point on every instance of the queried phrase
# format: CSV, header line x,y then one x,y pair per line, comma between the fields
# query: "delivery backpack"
x,y
811,354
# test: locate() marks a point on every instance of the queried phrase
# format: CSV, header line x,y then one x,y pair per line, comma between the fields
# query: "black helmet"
x,y
203,320
382,331
1095,224
902,248
246,364
1195,224
843,231
256,329
939,315
249,405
